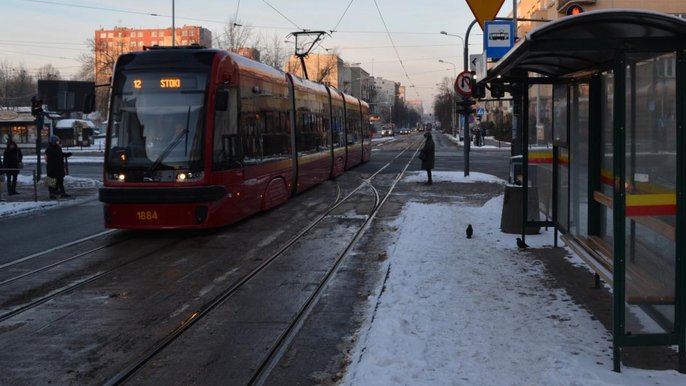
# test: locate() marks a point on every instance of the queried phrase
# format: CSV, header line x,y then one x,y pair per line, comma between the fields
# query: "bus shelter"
x,y
601,111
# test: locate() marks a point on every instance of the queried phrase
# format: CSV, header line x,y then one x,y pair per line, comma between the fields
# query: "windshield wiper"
x,y
155,165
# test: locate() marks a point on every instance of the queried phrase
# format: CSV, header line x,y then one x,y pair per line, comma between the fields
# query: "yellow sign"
x,y
485,10
7,115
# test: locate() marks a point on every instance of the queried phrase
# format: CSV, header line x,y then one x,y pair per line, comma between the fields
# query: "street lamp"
x,y
457,36
464,44
454,66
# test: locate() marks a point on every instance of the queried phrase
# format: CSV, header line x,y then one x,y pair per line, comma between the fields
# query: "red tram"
x,y
201,138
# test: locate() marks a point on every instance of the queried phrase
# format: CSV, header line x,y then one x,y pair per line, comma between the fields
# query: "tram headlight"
x,y
120,177
186,176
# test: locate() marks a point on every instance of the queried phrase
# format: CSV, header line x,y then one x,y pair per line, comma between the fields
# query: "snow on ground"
x,y
455,311
11,208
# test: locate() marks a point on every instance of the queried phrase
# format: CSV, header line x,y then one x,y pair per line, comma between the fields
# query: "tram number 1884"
x,y
146,215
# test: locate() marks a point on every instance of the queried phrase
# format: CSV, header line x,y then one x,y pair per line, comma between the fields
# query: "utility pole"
x,y
37,112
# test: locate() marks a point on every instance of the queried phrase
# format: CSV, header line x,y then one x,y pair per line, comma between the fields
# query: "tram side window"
x,y
353,135
276,142
251,125
227,151
307,133
325,137
337,126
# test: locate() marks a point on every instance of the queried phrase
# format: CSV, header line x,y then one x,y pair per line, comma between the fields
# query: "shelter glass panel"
x,y
578,159
651,188
606,159
540,149
563,188
560,106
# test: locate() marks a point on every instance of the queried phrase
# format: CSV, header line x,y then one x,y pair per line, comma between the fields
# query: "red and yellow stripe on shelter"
x,y
650,204
540,157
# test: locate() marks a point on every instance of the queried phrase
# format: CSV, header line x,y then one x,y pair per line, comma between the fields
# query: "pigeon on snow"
x,y
470,231
521,244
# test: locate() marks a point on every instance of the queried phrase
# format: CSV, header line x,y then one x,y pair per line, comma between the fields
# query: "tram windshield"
x,y
157,121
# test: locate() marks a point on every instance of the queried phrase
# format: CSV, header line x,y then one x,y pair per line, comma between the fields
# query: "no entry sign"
x,y
463,83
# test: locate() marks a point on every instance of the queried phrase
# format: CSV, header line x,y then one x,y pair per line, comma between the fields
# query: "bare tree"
x,y
235,36
274,53
443,103
22,87
97,65
48,72
87,69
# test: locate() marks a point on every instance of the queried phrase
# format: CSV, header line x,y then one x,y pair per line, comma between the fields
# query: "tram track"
x,y
276,352
57,263
82,282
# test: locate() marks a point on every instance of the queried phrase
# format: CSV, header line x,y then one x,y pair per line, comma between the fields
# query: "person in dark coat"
x,y
427,156
12,157
54,157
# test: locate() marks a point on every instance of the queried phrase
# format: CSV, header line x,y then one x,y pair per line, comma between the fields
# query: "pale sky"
x,y
39,32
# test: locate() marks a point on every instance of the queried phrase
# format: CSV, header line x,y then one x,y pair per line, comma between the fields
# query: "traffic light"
x,y
36,107
479,91
497,90
574,10
465,106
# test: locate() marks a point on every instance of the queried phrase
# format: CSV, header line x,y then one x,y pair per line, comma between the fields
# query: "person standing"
x,y
12,159
54,157
427,156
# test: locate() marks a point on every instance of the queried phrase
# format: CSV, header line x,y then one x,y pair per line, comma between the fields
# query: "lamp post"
x,y
464,45
454,66
465,64
452,99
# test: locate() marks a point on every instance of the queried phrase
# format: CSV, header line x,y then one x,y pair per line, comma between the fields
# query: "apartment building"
x,y
110,43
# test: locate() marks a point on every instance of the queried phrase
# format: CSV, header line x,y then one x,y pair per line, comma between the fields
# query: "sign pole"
x,y
39,129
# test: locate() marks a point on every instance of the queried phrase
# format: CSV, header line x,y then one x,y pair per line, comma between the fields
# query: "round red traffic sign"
x,y
463,83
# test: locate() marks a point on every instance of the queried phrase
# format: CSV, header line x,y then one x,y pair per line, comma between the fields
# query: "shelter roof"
x,y
589,42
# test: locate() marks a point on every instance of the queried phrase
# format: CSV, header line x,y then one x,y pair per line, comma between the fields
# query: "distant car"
x,y
404,131
387,133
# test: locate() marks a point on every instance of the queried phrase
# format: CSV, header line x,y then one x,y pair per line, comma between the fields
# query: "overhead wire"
x,y
282,15
93,7
342,16
383,21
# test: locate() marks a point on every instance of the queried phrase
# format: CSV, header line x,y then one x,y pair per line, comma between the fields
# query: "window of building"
x,y
110,34
140,44
103,35
184,33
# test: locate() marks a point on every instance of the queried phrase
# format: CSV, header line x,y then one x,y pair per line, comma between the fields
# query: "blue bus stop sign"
x,y
498,38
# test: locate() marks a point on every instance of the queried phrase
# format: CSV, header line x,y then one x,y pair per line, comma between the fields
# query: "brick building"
x,y
111,43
